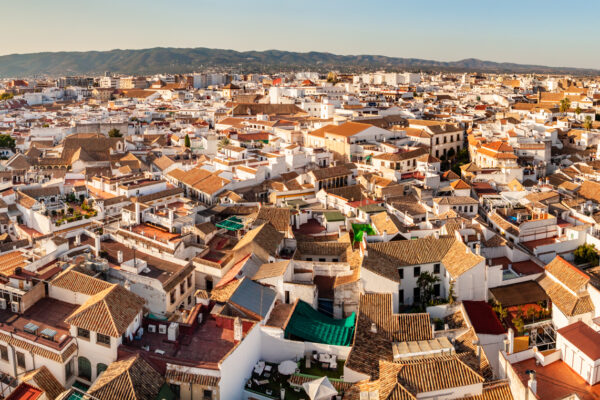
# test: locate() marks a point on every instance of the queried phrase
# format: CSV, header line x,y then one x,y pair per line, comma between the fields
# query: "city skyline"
x,y
534,32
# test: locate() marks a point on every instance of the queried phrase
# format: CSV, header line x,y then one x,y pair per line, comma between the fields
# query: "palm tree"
x,y
223,142
426,282
565,104
587,123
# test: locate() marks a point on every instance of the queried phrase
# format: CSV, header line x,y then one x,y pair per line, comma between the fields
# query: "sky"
x,y
554,33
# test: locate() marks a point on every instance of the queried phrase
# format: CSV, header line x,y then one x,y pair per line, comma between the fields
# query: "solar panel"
x,y
49,333
30,327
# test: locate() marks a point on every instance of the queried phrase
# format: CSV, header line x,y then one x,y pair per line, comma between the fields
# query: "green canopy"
x,y
308,324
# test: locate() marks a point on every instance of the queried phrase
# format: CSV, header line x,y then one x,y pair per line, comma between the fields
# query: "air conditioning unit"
x,y
152,328
3,304
162,329
14,306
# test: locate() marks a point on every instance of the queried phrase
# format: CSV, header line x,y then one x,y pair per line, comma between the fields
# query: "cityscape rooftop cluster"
x,y
373,236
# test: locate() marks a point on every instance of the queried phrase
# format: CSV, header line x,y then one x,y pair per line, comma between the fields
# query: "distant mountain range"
x,y
184,60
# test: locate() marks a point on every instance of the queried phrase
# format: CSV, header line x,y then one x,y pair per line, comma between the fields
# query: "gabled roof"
x,y
460,184
78,282
436,373
108,312
271,270
568,274
130,379
253,297
43,379
386,257
265,236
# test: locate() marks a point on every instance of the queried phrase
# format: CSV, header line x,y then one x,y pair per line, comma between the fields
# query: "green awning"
x,y
310,325
360,229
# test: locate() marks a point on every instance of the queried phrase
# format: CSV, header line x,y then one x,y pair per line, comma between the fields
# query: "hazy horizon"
x,y
534,32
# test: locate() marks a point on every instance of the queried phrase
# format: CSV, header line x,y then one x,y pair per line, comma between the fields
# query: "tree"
x,y
587,123
6,141
332,77
6,96
578,110
426,282
188,142
586,253
114,132
451,296
565,104
530,313
223,142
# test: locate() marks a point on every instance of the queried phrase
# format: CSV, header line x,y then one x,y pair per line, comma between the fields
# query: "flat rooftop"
x,y
206,346
47,313
154,233
159,269
527,267
556,381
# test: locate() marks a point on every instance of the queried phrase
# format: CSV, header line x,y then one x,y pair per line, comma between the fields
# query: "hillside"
x,y
183,60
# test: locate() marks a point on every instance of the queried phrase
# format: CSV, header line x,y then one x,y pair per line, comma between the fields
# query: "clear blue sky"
x,y
557,33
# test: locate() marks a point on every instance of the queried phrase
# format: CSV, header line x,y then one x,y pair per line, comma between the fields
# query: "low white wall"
x,y
276,349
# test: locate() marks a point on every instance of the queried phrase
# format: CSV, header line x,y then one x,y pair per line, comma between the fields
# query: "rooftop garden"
x,y
270,382
71,212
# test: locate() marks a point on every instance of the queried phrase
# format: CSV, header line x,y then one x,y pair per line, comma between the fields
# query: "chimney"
x,y
137,213
477,249
433,330
78,240
97,245
120,257
532,383
511,340
237,329
373,328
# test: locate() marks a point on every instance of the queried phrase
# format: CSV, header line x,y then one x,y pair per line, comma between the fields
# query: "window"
x,y
85,368
4,352
322,260
189,281
182,288
416,294
401,273
436,268
20,359
102,339
207,395
436,290
172,295
83,333
100,368
70,368
401,296
416,271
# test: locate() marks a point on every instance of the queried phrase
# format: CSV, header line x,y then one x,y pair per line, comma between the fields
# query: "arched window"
x,y
100,368
84,368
